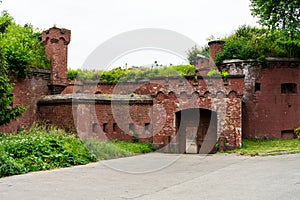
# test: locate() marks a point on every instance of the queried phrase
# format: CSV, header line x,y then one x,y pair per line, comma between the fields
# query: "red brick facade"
x,y
27,92
170,112
271,106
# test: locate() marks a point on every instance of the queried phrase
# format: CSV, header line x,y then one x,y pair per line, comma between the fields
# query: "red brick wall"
x,y
27,92
268,112
88,117
58,114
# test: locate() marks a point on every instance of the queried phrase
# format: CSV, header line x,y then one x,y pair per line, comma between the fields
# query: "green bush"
x,y
297,132
40,148
21,47
8,165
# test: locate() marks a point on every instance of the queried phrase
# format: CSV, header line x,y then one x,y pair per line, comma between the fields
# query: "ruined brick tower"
x,y
56,42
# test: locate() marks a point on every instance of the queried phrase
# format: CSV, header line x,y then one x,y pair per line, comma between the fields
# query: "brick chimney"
x,y
215,47
56,42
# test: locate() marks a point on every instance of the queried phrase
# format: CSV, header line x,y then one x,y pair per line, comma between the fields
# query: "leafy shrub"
x,y
21,47
8,166
40,148
297,132
72,74
258,43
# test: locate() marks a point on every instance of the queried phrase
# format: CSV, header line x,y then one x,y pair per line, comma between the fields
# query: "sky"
x,y
93,22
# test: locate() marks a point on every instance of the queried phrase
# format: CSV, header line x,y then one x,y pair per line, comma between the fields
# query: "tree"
x,y
20,48
194,51
7,112
278,14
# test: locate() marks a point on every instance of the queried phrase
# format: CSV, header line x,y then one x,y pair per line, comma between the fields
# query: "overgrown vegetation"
x,y
280,38
258,43
217,73
258,146
40,148
131,74
21,48
43,148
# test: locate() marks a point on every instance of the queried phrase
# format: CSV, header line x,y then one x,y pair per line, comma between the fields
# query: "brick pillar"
x,y
56,42
214,48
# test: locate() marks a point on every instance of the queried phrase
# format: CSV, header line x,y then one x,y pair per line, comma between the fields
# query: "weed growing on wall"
x,y
131,74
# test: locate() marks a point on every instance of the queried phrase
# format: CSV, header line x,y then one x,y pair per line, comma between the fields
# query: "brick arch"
x,y
160,96
220,94
207,94
184,95
172,95
160,93
195,93
64,40
232,94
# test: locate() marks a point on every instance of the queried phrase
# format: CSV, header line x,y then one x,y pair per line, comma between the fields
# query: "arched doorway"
x,y
196,130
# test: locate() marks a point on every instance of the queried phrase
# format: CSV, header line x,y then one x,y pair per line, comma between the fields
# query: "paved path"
x,y
197,177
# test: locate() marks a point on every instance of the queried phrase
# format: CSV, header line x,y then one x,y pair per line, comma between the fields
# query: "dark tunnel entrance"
x,y
196,130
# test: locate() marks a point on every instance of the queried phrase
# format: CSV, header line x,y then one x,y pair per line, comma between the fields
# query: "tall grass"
x,y
115,149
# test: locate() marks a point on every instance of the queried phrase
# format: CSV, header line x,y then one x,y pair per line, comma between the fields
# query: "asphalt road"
x,y
164,176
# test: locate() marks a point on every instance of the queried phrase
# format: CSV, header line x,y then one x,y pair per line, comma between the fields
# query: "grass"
x,y
259,146
115,149
43,148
